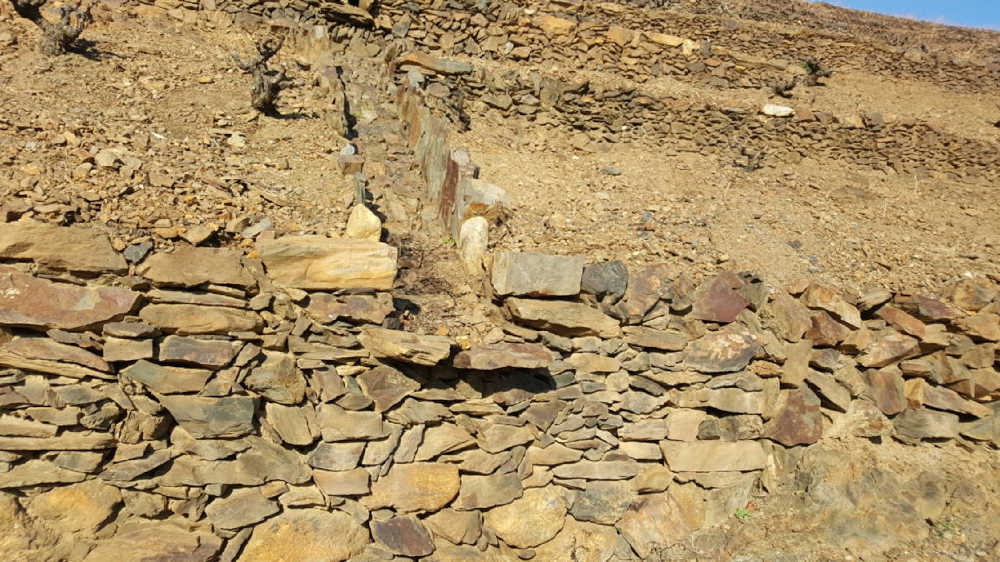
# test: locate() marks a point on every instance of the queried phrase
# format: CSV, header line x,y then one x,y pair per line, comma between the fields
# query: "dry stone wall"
x,y
264,407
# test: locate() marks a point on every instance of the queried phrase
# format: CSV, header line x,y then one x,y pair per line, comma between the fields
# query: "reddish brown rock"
x,y
718,299
189,266
69,248
503,356
386,386
797,421
889,349
35,303
369,309
405,536
885,389
824,331
902,321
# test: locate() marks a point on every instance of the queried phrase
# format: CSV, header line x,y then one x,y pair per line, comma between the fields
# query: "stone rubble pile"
x,y
264,406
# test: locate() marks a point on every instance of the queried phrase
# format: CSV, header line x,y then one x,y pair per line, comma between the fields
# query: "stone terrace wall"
x,y
220,405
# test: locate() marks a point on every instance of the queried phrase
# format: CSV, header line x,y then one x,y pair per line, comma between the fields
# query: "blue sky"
x,y
969,13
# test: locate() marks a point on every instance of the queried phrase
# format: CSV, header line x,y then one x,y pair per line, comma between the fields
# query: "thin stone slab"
x,y
64,442
29,302
37,472
188,266
58,368
369,309
318,262
69,248
563,317
504,356
405,346
193,351
186,319
167,380
51,350
203,417
713,456
529,274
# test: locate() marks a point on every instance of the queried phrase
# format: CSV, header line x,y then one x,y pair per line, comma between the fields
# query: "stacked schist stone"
x,y
211,405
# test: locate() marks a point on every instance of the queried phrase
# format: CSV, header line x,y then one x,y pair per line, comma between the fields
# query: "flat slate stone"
x,y
69,248
193,351
318,262
343,483
158,540
368,309
38,472
278,379
405,346
664,340
51,350
167,380
504,356
188,266
203,417
240,509
58,368
536,275
563,317
29,302
713,456
189,319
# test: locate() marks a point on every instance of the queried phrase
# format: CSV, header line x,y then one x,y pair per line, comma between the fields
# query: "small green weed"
x,y
742,514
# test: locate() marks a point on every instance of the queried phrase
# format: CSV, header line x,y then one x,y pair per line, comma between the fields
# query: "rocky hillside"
x,y
521,280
